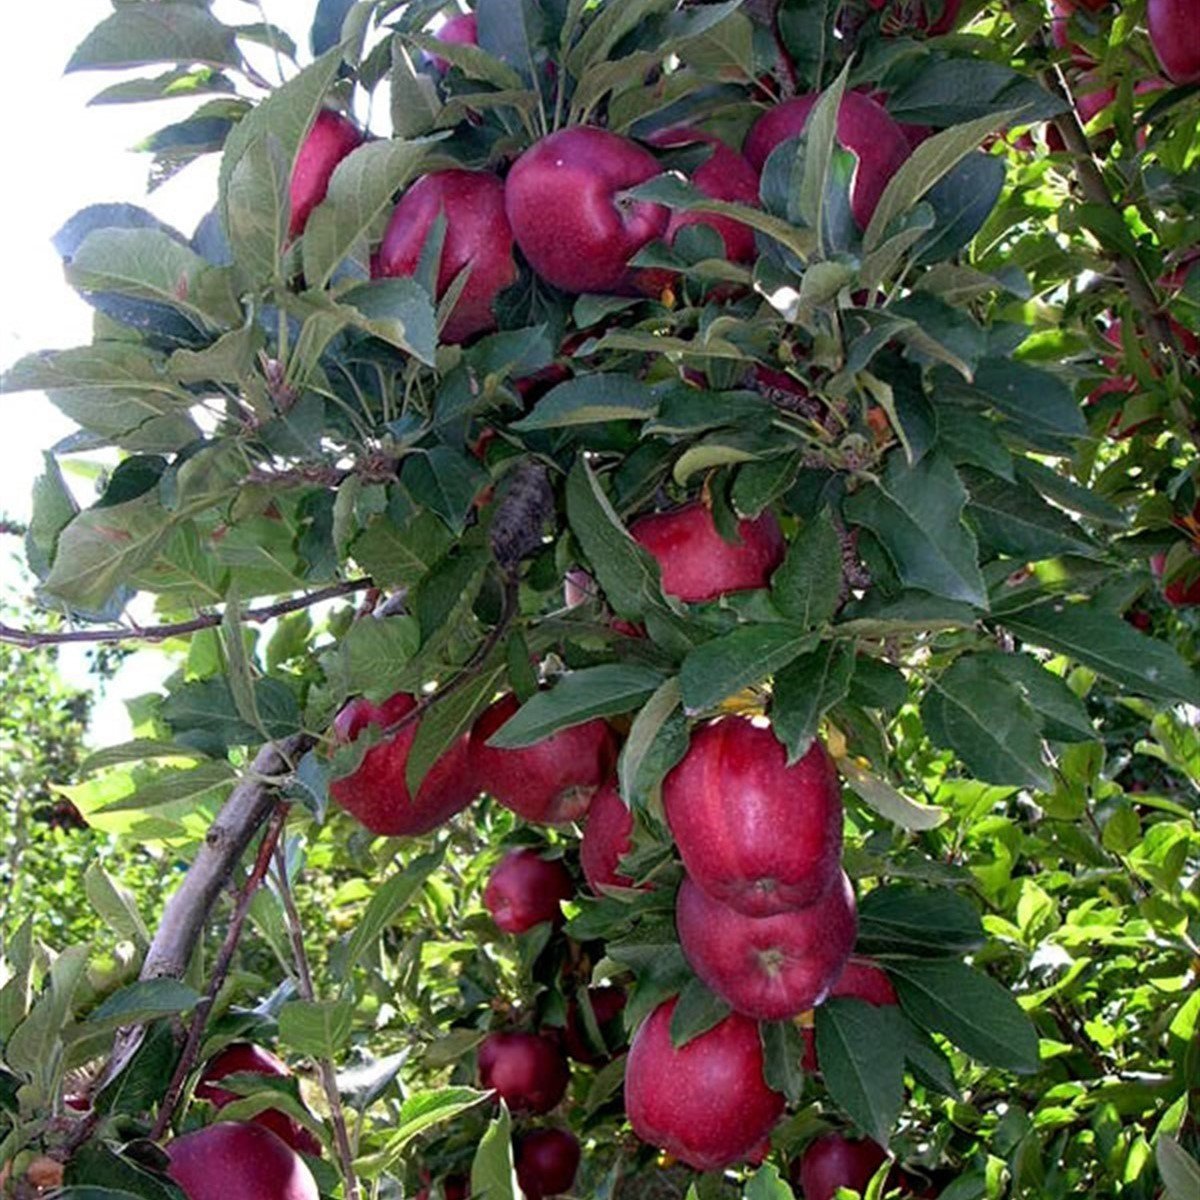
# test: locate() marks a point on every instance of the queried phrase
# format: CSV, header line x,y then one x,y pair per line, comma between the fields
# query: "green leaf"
x,y
420,1111
1180,1172
820,141
722,667
1015,520
577,697
697,1011
16,993
388,901
807,587
492,1172
398,311
862,1063
319,1029
964,89
1057,486
652,732
35,1048
805,690
930,161
592,398
628,574
360,196
145,1001
1063,715
892,805
971,1009
156,32
447,481
1042,405
783,1054
1093,635
399,556
975,711
116,905
916,513
766,1184
901,919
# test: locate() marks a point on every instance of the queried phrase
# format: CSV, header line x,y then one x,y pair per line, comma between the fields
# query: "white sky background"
x,y
57,156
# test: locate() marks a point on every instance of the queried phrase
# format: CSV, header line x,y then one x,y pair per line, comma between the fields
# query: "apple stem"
x,y
325,1067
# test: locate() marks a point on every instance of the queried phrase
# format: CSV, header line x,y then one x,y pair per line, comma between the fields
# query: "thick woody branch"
x,y
32,638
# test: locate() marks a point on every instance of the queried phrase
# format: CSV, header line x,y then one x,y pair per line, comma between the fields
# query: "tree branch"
x,y
220,970
32,639
325,1067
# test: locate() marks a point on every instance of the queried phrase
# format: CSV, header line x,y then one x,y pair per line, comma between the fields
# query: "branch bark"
x,y
32,639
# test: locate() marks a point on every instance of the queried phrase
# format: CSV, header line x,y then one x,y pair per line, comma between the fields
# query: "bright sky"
x,y
58,156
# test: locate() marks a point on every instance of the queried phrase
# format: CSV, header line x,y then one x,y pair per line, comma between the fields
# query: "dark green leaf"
x,y
902,919
697,1011
1014,519
805,690
862,1063
144,1001
807,587
592,398
388,901
722,667
783,1054
156,32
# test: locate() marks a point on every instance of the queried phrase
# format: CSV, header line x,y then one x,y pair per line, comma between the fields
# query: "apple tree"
x,y
675,527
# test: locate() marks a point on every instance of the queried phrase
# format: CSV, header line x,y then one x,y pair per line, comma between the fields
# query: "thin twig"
x,y
31,639
325,1067
220,970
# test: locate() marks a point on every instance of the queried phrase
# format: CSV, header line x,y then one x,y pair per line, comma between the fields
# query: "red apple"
x,y
376,793
725,175
526,1070
770,968
608,1003
863,127
753,832
244,1057
565,203
454,1187
833,1161
236,1161
550,782
1183,591
525,890
1175,36
477,236
329,140
607,838
707,1102
462,30
697,563
546,1162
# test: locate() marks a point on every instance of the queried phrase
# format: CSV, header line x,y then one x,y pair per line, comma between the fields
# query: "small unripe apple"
x,y
551,782
608,1003
461,30
527,1071
244,1057
525,890
477,236
565,203
833,1161
233,1160
697,563
329,140
607,837
707,1102
376,794
863,127
546,1162
1175,36
753,832
770,968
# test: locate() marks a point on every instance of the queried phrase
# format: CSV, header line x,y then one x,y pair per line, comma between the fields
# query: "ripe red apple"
x,y
567,211
552,781
526,1070
725,175
753,832
525,890
477,236
697,563
1175,36
462,30
376,793
607,837
770,968
244,1057
236,1161
1183,591
706,1103
833,1161
329,140
608,1003
863,127
546,1162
